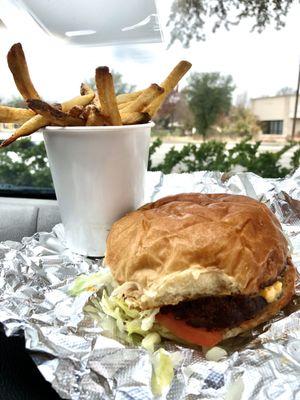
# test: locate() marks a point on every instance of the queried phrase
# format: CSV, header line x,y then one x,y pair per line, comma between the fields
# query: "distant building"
x,y
276,115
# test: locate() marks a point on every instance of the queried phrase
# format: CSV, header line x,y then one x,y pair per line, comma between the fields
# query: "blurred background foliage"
x,y
205,108
189,19
25,163
215,155
203,111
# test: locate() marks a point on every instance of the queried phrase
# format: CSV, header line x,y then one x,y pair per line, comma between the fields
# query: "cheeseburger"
x,y
214,265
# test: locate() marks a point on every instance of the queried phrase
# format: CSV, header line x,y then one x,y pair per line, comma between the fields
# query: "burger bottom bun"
x,y
271,309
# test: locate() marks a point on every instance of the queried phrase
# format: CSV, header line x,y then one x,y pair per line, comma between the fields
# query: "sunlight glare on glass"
x,y
80,33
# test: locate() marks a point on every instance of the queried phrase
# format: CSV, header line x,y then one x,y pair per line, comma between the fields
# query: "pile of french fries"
x,y
92,109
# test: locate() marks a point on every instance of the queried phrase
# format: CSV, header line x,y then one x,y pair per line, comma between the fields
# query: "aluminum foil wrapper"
x,y
80,363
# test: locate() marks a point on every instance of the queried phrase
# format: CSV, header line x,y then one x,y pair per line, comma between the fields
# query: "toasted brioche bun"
x,y
190,245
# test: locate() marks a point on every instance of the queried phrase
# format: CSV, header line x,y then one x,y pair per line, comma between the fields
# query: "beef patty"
x,y
217,312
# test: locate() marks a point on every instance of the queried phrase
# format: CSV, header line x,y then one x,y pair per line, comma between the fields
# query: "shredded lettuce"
x,y
136,328
163,371
127,321
92,283
127,324
150,341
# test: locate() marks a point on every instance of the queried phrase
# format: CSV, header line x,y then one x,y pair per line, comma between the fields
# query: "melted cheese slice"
x,y
271,293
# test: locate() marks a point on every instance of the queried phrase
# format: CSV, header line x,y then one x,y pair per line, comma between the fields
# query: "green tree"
x,y
165,117
183,114
17,102
175,111
240,121
24,163
188,18
120,86
209,96
285,91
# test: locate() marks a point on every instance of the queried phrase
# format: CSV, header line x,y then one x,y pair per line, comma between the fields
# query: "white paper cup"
x,y
99,175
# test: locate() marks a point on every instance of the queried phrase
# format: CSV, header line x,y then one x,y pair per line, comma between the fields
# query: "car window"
x,y
240,91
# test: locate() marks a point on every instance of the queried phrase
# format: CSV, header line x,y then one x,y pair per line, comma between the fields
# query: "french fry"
x,y
126,97
58,106
101,108
169,84
38,121
94,117
96,101
106,94
135,118
30,126
77,101
76,111
12,114
144,99
86,89
124,105
18,67
86,111
54,115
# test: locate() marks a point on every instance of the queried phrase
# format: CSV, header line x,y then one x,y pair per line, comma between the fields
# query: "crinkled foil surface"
x,y
80,363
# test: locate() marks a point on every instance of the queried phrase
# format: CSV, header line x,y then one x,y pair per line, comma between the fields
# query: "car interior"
x,y
97,96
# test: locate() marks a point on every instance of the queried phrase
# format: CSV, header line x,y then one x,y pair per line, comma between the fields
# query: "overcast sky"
x,y
260,64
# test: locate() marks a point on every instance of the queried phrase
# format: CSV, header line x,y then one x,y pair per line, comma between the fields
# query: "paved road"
x,y
274,147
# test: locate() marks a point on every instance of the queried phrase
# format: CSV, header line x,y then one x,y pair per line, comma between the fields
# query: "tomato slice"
x,y
179,328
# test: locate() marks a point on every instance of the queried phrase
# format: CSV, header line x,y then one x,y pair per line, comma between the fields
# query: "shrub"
x,y
24,163
214,156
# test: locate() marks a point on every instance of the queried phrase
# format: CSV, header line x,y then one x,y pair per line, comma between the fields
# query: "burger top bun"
x,y
189,245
